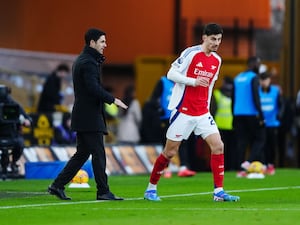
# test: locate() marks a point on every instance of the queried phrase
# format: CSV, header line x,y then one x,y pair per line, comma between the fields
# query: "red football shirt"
x,y
195,100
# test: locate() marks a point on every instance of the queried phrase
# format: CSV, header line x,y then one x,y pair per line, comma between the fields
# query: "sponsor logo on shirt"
x,y
199,64
203,73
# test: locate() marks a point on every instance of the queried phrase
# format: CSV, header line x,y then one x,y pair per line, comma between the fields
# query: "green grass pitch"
x,y
185,201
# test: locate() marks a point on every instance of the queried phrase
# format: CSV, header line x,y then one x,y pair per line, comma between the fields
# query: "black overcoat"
x,y
90,96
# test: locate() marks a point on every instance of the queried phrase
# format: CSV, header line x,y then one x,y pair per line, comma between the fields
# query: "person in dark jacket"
x,y
272,106
51,94
248,118
63,134
88,118
11,130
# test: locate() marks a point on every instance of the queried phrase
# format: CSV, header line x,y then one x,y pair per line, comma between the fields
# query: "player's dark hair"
x,y
93,34
212,29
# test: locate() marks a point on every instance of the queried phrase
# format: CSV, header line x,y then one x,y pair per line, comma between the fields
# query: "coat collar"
x,y
94,53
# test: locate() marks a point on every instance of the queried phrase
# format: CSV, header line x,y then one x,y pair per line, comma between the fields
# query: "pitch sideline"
x,y
140,198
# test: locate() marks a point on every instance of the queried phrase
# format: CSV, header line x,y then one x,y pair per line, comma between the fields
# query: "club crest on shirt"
x,y
180,60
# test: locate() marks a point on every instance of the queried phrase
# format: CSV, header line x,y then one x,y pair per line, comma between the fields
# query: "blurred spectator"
x,y
298,124
151,132
298,107
222,111
51,94
63,135
13,117
161,94
272,107
298,100
128,131
286,131
111,112
248,120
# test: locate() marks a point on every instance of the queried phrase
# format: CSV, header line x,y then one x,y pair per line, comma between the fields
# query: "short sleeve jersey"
x,y
194,63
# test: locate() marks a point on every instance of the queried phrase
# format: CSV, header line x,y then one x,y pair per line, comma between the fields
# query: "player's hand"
x,y
202,81
118,102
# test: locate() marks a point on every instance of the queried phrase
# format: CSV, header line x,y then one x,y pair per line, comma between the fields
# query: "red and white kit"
x,y
190,103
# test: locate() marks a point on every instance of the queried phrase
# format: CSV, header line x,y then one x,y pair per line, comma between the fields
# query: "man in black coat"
x,y
88,118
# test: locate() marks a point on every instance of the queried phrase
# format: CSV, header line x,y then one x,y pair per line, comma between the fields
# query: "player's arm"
x,y
178,77
179,67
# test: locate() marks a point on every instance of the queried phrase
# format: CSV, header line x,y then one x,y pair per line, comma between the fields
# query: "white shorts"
x,y
182,125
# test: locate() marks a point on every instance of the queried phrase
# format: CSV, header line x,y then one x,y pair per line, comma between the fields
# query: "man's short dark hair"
x,y
253,60
4,91
212,29
228,79
264,75
92,34
63,67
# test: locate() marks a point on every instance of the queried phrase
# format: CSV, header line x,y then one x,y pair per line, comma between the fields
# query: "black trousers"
x,y
88,143
15,142
229,140
249,134
271,145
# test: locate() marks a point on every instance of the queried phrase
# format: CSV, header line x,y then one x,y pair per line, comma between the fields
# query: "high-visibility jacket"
x,y
243,95
269,104
223,116
165,96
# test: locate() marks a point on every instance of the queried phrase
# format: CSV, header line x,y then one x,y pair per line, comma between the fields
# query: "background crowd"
x,y
264,132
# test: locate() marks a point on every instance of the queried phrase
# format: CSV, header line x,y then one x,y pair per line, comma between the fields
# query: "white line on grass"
x,y
166,196
237,191
25,192
207,209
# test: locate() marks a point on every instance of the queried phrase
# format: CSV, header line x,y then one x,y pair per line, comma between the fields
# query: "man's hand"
x,y
261,121
25,122
118,102
202,81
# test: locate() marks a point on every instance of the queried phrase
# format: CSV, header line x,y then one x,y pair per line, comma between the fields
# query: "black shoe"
x,y
108,196
58,192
